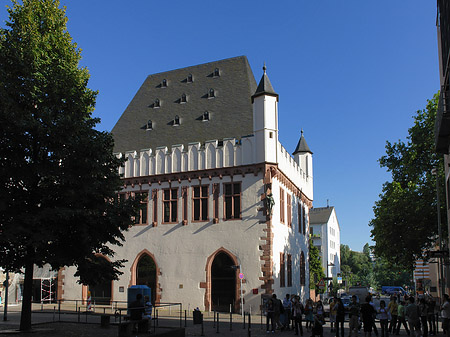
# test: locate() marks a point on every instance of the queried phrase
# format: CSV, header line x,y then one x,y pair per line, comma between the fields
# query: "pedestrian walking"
x,y
374,326
354,312
309,314
393,309
413,317
431,315
368,318
333,314
384,319
287,305
340,317
297,312
270,315
401,318
445,313
277,307
423,308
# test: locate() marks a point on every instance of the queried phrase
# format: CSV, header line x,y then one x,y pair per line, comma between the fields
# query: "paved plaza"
x,y
47,321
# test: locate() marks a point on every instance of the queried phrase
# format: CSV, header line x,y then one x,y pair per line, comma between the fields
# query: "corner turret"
x,y
303,155
265,120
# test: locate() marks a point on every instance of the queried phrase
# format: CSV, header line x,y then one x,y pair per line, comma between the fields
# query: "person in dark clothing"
x,y
270,316
368,316
340,317
136,308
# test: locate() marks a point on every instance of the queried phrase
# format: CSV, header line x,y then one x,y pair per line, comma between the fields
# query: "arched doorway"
x,y
146,274
223,283
101,292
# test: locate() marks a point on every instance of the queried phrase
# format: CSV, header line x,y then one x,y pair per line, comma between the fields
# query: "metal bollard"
x,y
243,326
249,325
202,328
54,309
185,318
217,323
78,311
157,321
214,321
231,321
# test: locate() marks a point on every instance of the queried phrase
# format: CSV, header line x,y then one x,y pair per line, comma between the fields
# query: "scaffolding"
x,y
48,289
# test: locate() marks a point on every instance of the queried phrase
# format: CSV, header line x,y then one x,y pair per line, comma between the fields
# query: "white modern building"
x,y
326,236
224,199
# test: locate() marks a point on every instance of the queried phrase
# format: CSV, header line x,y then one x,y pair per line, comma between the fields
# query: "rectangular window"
x,y
304,219
281,205
141,218
289,210
170,203
184,196
200,203
282,270
232,194
299,212
216,192
289,270
155,207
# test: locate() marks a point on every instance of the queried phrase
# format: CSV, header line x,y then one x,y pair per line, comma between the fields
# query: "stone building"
x,y
224,199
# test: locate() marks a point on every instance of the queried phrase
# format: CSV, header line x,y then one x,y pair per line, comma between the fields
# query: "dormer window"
x,y
205,116
183,98
176,121
211,93
216,72
149,125
190,79
157,103
164,83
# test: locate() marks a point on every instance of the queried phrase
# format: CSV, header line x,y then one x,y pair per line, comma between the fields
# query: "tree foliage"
x,y
405,217
58,174
316,272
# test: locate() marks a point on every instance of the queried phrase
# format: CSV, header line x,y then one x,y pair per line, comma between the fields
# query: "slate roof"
x,y
230,110
264,86
302,147
320,215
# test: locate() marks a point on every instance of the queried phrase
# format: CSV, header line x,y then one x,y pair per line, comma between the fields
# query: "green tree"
x,y
58,174
405,217
316,272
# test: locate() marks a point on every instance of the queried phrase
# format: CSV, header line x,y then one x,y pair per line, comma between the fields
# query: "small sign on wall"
x,y
255,291
121,289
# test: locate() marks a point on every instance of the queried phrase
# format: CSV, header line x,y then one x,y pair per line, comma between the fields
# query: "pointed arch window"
x,y
211,93
149,125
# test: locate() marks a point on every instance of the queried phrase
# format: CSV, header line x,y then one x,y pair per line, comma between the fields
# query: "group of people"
x,y
288,315
418,318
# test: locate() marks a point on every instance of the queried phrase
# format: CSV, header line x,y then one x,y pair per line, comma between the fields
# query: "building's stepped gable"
x,y
186,93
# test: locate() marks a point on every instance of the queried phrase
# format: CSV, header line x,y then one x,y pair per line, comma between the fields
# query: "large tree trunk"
x,y
25,318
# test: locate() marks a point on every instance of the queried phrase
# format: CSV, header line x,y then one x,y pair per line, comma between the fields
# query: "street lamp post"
x,y
434,171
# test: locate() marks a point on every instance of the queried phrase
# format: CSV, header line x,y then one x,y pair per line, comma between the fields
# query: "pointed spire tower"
x,y
265,120
303,155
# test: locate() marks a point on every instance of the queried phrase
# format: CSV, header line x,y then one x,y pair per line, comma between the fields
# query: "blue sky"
x,y
350,73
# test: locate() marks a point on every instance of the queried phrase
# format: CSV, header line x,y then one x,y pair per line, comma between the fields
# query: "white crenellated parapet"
x,y
211,155
196,157
298,174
